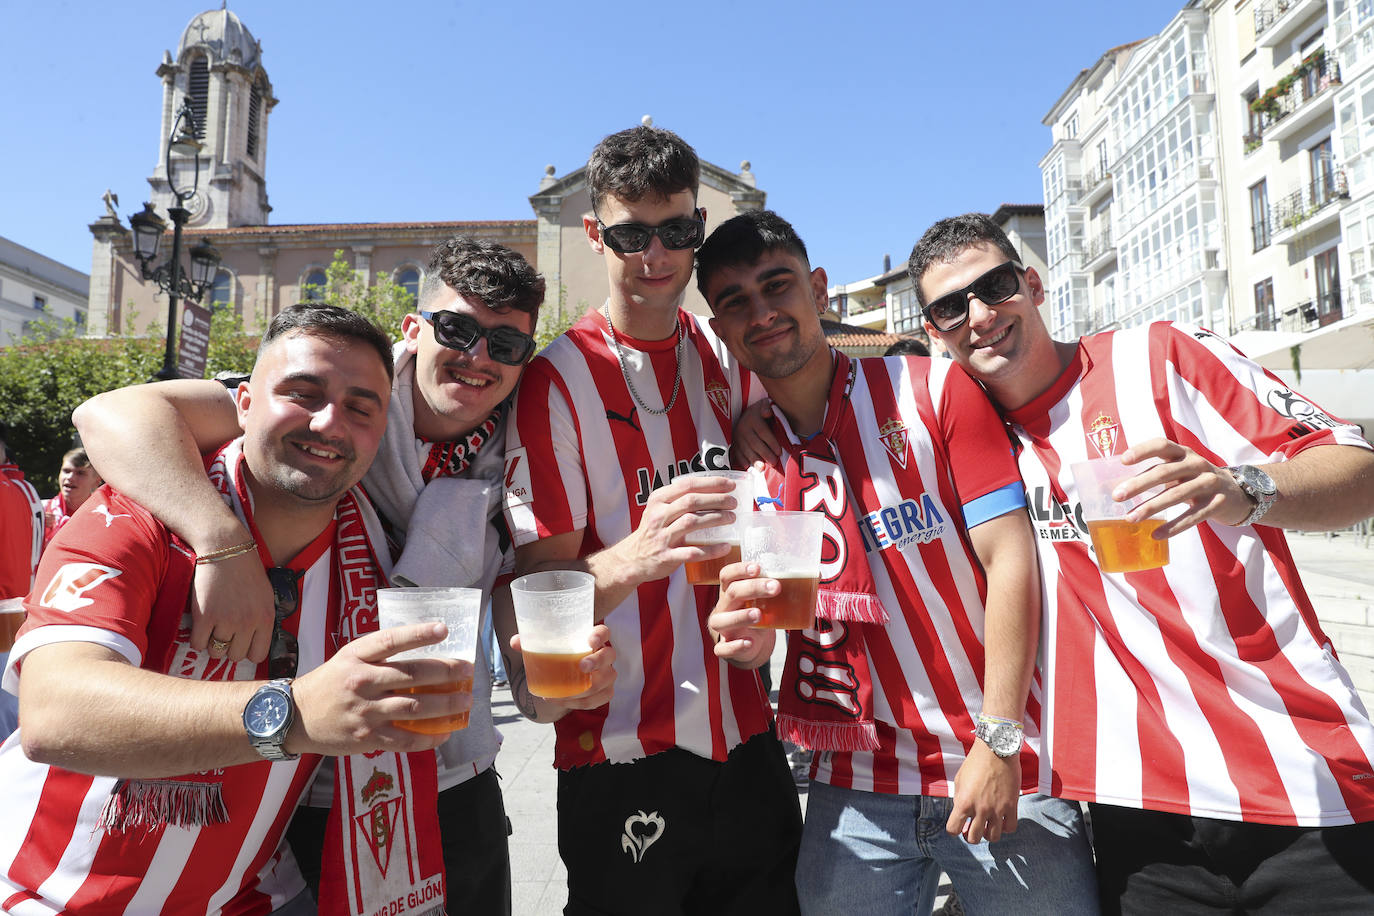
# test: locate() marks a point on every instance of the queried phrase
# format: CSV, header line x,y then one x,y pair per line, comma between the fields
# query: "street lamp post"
x,y
148,229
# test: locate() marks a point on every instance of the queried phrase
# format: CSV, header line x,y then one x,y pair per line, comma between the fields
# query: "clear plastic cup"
x,y
707,572
787,547
555,611
457,608
1121,545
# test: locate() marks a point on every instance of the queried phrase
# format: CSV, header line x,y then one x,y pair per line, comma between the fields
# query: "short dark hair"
x,y
642,162
329,321
499,276
948,238
77,457
907,346
744,239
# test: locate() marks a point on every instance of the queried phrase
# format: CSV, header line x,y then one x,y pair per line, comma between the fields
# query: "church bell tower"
x,y
218,70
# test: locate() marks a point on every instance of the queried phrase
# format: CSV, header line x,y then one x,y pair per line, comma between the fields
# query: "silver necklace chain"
x,y
625,373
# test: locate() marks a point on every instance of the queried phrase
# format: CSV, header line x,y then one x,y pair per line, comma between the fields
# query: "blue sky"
x,y
864,122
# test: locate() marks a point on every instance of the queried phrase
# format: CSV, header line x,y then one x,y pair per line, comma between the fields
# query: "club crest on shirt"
x,y
68,588
893,435
378,823
720,399
1102,434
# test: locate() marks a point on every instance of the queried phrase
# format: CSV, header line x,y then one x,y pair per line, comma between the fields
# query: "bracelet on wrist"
x,y
225,553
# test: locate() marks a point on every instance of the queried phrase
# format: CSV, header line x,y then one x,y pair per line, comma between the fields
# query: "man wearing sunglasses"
x,y
928,613
436,483
675,796
166,777
1197,707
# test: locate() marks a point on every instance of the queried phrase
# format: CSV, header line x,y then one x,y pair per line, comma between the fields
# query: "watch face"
x,y
267,712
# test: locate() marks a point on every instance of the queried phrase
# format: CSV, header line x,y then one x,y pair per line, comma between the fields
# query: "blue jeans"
x,y
875,854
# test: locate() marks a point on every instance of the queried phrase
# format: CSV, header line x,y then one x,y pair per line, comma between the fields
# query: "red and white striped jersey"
x,y
928,447
581,456
106,580
1205,687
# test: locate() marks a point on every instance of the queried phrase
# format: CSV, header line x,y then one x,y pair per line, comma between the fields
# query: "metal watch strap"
x,y
270,747
1261,501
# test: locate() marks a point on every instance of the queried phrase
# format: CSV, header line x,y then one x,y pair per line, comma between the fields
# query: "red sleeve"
x,y
102,570
980,453
17,534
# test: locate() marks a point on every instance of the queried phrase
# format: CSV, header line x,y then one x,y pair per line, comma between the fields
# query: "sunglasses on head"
x,y
675,234
284,655
996,286
461,332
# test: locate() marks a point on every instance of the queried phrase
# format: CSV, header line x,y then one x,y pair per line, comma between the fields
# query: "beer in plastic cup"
x,y
1121,545
457,608
11,619
787,547
555,611
707,572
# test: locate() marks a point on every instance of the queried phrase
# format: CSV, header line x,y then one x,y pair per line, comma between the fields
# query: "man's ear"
x,y
820,290
411,326
593,230
1036,287
243,398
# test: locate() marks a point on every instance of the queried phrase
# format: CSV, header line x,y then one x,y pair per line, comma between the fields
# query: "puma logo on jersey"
x,y
641,831
109,516
627,419
68,588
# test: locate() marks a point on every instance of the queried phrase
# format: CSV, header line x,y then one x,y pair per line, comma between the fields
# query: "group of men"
x,y
971,678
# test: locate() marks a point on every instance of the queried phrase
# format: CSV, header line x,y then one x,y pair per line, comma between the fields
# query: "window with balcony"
x,y
1259,214
1327,307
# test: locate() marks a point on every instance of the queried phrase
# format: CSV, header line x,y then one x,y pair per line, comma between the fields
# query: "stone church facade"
x,y
219,70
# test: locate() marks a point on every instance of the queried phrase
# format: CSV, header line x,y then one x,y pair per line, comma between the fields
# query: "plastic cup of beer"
x,y
554,610
1121,545
11,619
787,547
707,572
457,608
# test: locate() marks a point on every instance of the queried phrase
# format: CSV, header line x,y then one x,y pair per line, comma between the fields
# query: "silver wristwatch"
x,y
267,717
1002,735
1257,486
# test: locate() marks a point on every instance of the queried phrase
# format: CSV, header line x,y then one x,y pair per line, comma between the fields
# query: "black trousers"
x,y
679,834
1153,863
473,829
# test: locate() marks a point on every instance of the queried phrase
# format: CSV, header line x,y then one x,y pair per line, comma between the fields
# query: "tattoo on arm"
x,y
520,692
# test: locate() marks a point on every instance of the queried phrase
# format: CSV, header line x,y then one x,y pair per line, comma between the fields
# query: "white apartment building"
x,y
36,288
1199,175
1132,188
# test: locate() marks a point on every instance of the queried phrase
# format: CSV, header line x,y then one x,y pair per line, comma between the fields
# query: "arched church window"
x,y
408,279
198,92
222,292
312,288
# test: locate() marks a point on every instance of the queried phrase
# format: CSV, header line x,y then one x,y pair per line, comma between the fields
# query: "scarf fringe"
x,y
827,736
154,803
854,607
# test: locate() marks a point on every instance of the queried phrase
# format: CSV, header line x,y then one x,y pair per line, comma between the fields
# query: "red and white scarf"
x,y
382,845
825,701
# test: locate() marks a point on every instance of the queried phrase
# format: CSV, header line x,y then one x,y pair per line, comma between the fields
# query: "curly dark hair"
x,y
946,239
501,278
642,162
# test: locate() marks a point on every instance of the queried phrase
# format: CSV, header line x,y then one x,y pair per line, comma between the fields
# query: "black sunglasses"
x,y
675,234
994,287
284,656
461,332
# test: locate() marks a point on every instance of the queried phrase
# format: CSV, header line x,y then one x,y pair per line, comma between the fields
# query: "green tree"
x,y
385,302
